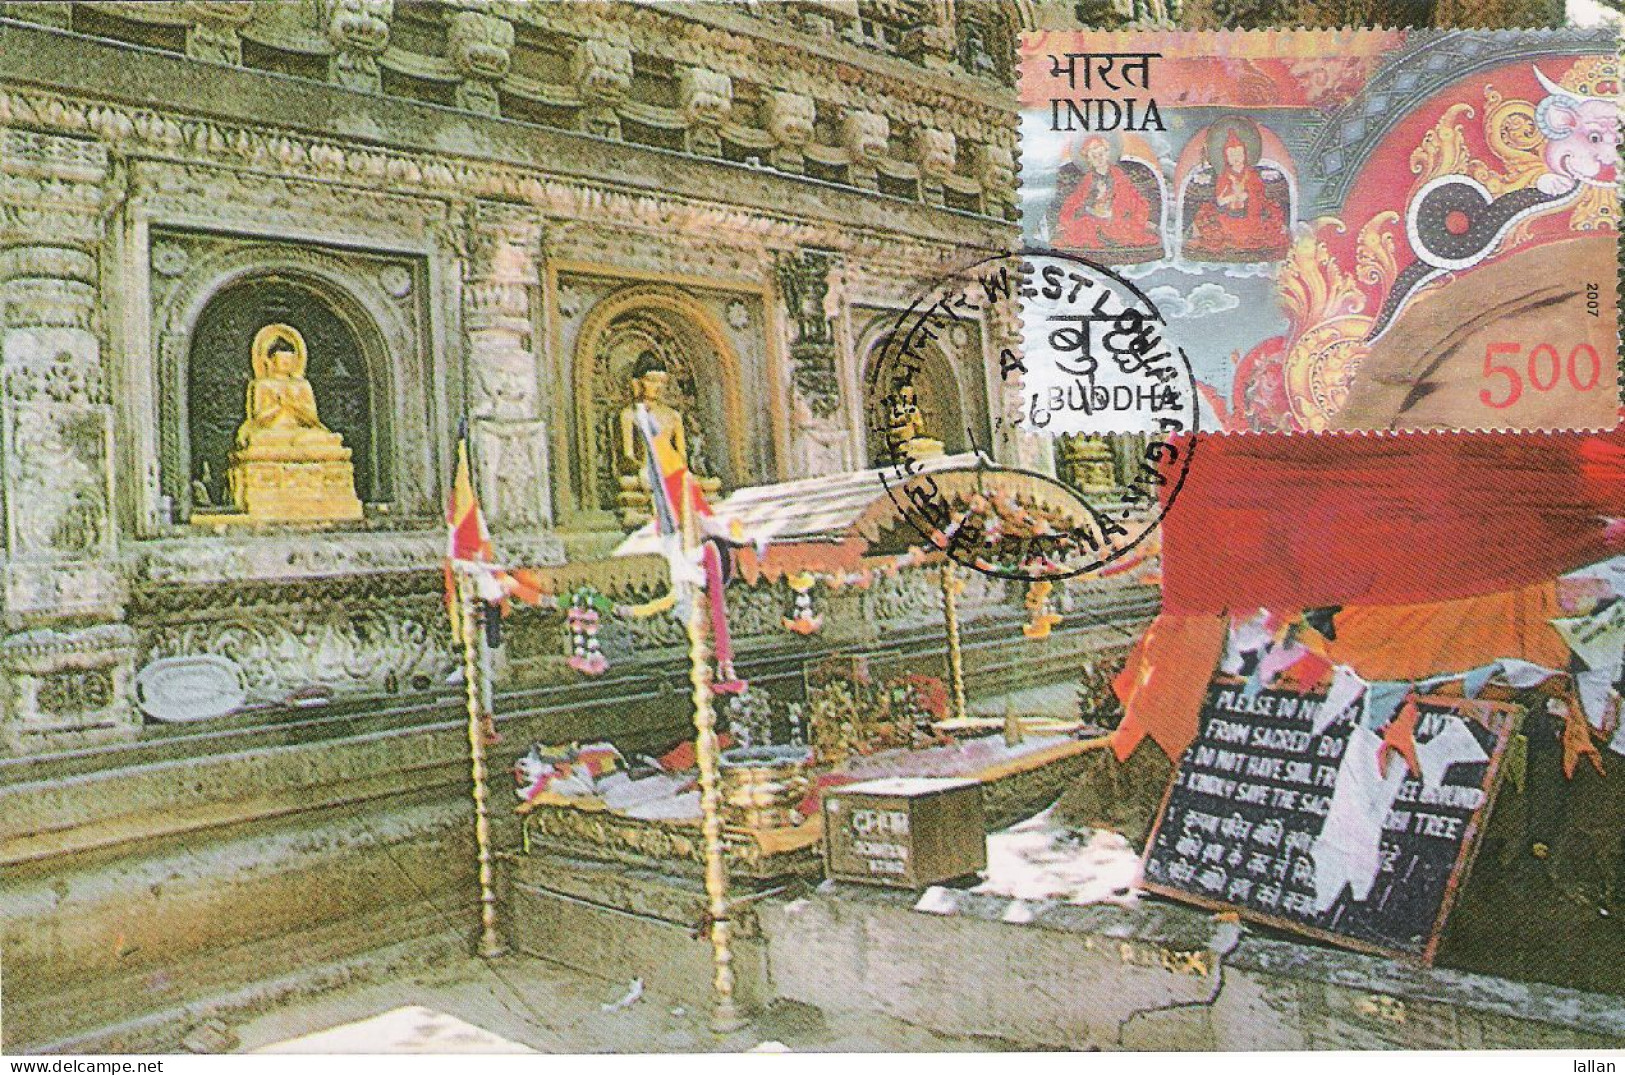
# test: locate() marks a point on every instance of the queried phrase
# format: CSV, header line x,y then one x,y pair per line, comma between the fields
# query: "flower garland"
x,y
586,605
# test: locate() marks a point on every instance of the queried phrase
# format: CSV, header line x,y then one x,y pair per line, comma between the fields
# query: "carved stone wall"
x,y
919,123
465,265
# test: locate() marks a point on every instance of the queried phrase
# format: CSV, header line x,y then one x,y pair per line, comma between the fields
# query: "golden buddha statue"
x,y
287,466
905,427
666,433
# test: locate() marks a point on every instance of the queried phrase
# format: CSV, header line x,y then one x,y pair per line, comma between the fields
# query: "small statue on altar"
x,y
905,427
288,466
665,431
1087,462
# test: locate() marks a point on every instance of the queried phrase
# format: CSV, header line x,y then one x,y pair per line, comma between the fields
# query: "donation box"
x,y
907,832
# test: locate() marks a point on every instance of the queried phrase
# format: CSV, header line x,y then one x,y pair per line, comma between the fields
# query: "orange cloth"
x,y
1165,681
1412,642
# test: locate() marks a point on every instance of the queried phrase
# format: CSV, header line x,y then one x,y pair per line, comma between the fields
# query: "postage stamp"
x,y
1354,230
1095,362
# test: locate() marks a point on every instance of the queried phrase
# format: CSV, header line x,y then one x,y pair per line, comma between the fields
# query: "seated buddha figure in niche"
x,y
287,466
906,436
650,422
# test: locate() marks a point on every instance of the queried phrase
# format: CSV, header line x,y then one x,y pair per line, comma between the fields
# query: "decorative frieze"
x,y
804,283
510,438
213,34
706,98
865,136
62,685
789,118
936,155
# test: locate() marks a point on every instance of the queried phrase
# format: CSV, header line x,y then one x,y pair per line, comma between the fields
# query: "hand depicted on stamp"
x,y
1358,230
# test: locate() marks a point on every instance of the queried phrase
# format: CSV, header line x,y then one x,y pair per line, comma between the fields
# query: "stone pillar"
x,y
359,30
508,433
819,441
481,48
62,590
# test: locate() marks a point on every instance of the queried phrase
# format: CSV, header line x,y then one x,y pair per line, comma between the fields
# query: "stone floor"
x,y
551,1009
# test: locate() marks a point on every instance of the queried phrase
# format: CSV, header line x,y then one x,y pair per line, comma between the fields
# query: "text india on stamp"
x,y
1357,230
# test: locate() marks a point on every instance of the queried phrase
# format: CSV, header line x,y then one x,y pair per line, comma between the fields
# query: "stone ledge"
x,y
1539,1002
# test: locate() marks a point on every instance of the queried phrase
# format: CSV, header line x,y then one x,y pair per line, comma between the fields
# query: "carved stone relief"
x,y
347,648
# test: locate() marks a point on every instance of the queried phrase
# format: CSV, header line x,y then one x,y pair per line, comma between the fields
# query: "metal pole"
x,y
491,944
725,1016
950,612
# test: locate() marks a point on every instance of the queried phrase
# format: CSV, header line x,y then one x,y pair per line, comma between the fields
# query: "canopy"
x,y
837,522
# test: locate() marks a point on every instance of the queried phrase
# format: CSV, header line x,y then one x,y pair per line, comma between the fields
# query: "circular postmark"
x,y
1106,403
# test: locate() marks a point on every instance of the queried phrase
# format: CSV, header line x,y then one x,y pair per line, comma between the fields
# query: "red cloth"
x,y
1165,680
1288,521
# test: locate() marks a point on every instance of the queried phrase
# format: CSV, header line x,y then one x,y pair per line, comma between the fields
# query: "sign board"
x,y
1325,827
907,832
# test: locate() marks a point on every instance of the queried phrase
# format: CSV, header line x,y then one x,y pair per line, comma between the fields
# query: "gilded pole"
x,y
491,944
725,1016
950,613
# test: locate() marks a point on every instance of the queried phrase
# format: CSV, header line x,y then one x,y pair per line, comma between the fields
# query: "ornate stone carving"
x,y
804,283
931,46
511,452
480,44
865,136
513,468
789,117
55,419
481,48
213,33
350,172
603,76
706,98
359,31
936,152
57,684
996,170
346,648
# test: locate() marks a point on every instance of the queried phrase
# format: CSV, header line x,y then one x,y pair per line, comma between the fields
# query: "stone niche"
x,y
363,320
713,344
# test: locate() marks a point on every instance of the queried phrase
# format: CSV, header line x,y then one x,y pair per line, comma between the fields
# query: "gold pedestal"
x,y
305,477
918,448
